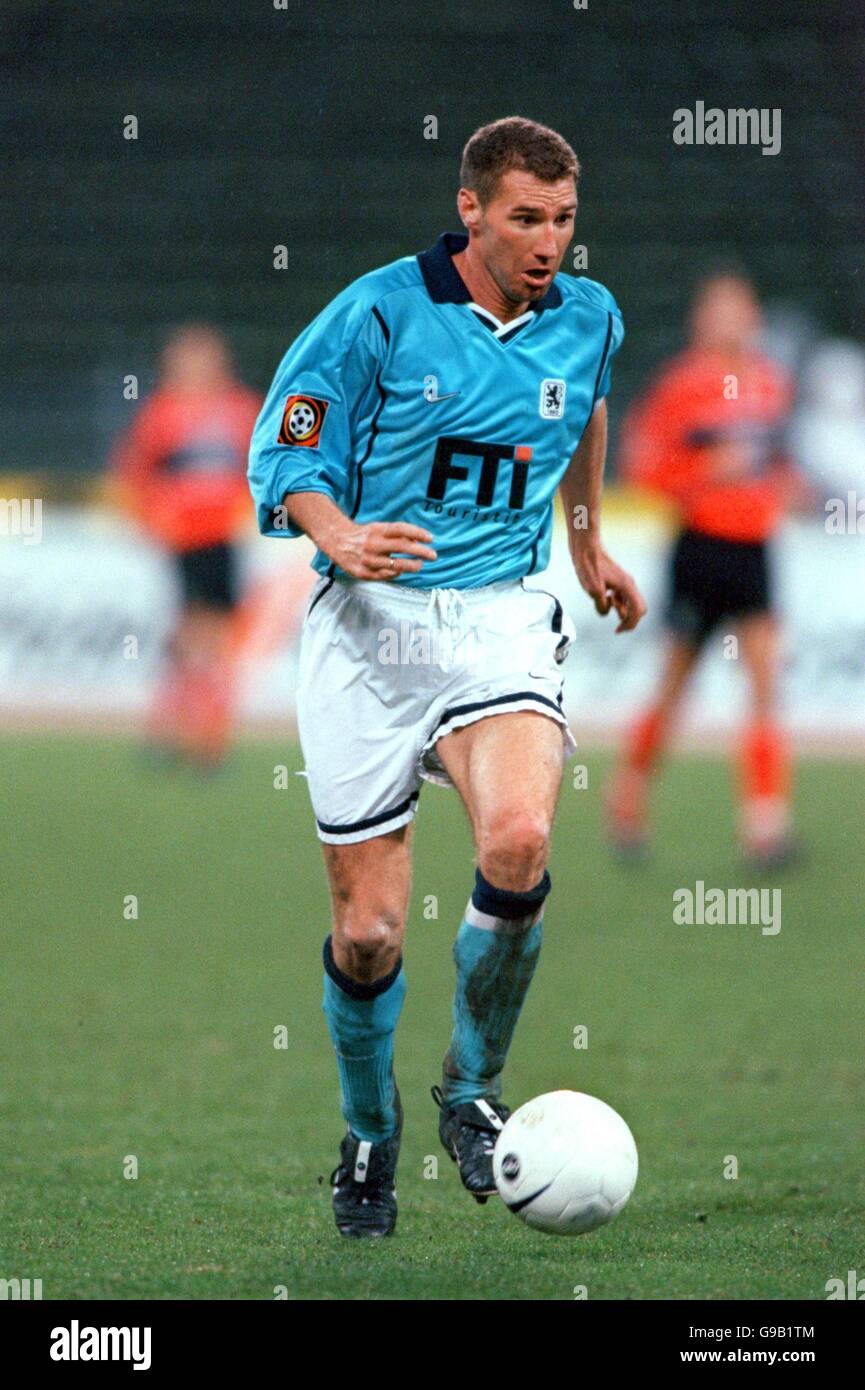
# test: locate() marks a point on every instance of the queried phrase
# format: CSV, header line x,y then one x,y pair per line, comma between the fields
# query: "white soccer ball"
x,y
565,1163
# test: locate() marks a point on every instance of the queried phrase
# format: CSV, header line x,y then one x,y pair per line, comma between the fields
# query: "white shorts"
x,y
386,671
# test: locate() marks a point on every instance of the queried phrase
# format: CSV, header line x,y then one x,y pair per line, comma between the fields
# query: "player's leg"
x,y
508,771
357,722
164,716
645,741
193,708
695,598
206,717
214,611
177,720
164,721
364,988
764,757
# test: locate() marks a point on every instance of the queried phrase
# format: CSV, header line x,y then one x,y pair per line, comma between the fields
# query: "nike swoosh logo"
x,y
524,1202
431,400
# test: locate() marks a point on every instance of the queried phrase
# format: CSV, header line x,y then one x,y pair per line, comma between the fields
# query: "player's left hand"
x,y
608,585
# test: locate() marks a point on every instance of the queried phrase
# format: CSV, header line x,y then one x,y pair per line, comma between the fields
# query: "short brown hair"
x,y
515,143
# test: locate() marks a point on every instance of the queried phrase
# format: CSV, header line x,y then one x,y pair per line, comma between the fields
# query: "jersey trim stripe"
x,y
373,431
603,362
533,559
321,594
384,328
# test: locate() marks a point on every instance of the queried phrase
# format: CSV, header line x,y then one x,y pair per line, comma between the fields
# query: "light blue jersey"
x,y
404,401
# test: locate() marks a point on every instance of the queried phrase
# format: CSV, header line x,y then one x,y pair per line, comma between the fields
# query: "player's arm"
x,y
377,550
300,471
603,580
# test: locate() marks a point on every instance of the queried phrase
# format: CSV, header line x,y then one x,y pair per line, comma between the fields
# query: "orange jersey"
x,y
183,464
669,436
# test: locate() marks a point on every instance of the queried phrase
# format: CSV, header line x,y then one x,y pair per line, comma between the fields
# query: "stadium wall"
x,y
85,611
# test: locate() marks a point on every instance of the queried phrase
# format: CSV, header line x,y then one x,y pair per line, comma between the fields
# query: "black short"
x,y
208,576
713,579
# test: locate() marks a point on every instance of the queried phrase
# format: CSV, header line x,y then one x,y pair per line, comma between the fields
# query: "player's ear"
x,y
469,208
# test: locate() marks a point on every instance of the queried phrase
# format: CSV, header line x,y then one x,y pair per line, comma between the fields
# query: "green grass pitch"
x,y
154,1038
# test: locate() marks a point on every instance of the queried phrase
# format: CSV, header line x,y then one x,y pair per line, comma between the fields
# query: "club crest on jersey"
x,y
302,420
552,405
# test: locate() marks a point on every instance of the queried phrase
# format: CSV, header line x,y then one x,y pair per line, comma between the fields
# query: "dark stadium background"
x,y
304,126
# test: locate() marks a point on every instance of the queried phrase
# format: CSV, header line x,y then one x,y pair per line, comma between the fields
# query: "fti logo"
x,y
490,456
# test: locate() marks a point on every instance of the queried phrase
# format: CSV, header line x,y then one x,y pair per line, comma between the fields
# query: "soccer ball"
x,y
565,1163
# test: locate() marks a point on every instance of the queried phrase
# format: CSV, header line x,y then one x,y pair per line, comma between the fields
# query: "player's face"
x,y
726,315
195,360
524,231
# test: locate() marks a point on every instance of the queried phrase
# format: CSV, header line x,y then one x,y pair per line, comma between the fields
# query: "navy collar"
x,y
444,283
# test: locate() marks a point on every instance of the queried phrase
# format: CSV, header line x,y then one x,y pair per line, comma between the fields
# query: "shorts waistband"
x,y
385,592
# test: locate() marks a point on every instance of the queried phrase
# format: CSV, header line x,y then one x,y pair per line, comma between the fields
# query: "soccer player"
x,y
182,472
709,436
417,430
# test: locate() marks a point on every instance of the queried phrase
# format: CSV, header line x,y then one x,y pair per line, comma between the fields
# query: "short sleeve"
x,y
302,441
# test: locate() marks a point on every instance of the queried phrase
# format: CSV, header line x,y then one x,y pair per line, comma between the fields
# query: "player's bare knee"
x,y
513,850
369,941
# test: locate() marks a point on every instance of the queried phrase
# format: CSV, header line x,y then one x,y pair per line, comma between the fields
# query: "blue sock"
x,y
362,1020
496,951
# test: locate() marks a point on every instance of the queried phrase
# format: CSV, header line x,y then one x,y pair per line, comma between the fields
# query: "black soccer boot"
x,y
469,1132
364,1184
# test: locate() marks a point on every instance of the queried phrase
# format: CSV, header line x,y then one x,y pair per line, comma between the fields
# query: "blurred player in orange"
x,y
708,436
182,472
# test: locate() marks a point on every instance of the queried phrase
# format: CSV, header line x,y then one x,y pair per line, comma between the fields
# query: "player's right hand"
x,y
381,549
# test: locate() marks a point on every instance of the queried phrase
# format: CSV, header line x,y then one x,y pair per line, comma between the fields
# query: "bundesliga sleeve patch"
x,y
302,420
